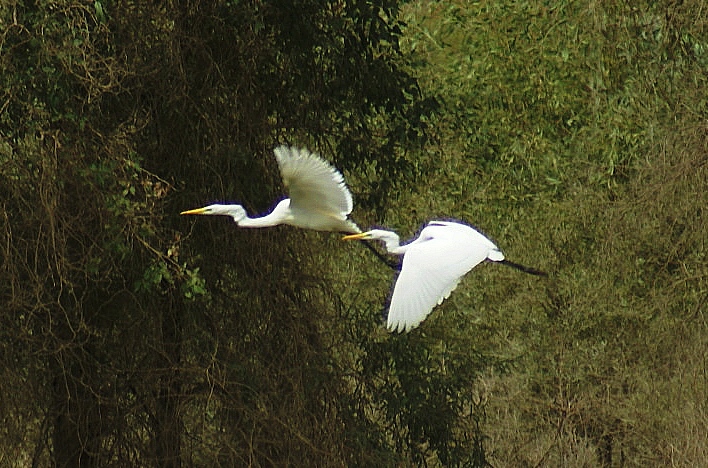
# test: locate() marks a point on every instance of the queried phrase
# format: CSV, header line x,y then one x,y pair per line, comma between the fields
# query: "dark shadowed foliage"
x,y
132,336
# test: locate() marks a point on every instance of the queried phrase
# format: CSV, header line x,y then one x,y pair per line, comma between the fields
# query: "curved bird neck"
x,y
393,244
280,215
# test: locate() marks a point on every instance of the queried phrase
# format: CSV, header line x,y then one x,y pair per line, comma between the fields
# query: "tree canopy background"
x,y
574,135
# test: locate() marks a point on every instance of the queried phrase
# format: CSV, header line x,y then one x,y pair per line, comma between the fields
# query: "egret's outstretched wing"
x,y
432,267
317,190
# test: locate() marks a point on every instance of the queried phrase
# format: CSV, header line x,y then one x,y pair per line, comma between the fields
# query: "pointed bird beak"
x,y
197,211
361,235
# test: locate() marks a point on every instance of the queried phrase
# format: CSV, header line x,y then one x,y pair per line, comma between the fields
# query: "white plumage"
x,y
432,266
319,198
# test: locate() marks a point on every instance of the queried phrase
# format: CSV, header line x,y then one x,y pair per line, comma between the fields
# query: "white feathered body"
x,y
319,198
432,266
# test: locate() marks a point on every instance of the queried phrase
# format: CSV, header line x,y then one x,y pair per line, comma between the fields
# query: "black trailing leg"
x,y
396,265
525,269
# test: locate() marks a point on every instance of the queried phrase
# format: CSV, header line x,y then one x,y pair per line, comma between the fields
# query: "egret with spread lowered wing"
x,y
433,265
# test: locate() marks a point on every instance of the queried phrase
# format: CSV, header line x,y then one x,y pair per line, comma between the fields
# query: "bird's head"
x,y
376,234
390,238
237,212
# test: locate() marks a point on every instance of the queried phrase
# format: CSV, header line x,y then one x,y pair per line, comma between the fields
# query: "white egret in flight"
x,y
319,198
432,266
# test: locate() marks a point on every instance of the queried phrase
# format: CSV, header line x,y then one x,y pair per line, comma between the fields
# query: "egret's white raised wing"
x,y
318,195
432,267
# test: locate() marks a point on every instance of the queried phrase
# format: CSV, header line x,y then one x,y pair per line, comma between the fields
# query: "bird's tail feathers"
x,y
495,255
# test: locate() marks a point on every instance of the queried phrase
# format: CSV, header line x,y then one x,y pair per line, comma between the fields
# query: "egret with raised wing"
x,y
319,198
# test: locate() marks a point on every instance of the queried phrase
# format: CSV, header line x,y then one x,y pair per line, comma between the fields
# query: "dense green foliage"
x,y
574,134
136,338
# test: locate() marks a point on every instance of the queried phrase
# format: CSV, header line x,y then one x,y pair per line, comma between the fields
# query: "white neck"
x,y
393,245
264,221
279,215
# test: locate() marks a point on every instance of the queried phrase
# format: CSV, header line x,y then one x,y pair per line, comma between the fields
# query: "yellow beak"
x,y
361,235
195,211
